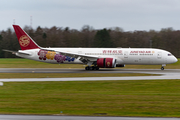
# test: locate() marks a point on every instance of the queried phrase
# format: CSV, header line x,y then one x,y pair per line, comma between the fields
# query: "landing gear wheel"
x,y
162,68
97,68
91,68
87,68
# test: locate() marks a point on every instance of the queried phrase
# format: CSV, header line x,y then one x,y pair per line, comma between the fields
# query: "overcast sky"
x,y
130,15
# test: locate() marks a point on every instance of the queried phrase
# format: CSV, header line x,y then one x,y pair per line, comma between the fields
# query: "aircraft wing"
x,y
84,58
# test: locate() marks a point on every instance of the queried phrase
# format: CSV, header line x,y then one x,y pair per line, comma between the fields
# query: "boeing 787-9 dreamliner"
x,y
94,58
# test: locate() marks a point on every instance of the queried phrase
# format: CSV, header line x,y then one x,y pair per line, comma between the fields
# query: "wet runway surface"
x,y
38,117
163,74
64,70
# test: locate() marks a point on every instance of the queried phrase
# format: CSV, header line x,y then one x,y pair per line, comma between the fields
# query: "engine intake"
x,y
106,62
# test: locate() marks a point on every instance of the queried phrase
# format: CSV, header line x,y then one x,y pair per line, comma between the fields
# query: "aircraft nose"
x,y
172,59
175,59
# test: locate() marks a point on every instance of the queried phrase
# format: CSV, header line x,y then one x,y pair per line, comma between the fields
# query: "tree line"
x,y
166,38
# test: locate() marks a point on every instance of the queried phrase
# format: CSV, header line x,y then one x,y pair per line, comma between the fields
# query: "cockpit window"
x,y
169,54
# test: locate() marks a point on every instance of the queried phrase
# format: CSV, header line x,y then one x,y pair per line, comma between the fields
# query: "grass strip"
x,y
155,98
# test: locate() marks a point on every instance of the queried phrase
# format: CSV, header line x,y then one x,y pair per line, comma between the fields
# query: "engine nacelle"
x,y
120,65
106,62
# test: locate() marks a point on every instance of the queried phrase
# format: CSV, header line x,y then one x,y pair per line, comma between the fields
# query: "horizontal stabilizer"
x,y
13,52
18,52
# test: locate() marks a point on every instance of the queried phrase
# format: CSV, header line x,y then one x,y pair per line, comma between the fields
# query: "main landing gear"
x,y
91,68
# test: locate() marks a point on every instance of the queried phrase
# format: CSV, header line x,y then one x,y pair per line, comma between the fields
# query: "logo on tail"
x,y
24,41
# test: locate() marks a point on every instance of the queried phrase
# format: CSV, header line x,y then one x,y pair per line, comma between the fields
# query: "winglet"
x,y
25,41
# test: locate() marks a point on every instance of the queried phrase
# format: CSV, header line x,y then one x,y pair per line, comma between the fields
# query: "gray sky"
x,y
130,15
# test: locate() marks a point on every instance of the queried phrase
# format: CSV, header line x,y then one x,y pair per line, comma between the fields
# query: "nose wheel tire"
x,y
162,68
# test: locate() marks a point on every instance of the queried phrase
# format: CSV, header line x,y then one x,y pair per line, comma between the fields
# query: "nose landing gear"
x,y
162,68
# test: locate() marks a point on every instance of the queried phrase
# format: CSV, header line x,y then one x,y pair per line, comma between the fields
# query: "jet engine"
x,y
106,62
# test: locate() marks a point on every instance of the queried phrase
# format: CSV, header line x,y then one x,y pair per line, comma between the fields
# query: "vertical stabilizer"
x,y
25,41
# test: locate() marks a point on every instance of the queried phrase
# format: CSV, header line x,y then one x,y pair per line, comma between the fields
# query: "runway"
x,y
66,70
163,74
49,117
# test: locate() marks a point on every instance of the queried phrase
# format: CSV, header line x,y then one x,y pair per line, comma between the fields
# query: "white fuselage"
x,y
140,56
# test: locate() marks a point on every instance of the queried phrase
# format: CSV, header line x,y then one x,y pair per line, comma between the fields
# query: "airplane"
x,y
94,58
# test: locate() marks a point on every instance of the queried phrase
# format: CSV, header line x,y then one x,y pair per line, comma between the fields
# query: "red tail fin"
x,y
25,41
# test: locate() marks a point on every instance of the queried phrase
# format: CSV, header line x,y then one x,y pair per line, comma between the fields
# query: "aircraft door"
x,y
159,55
126,54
